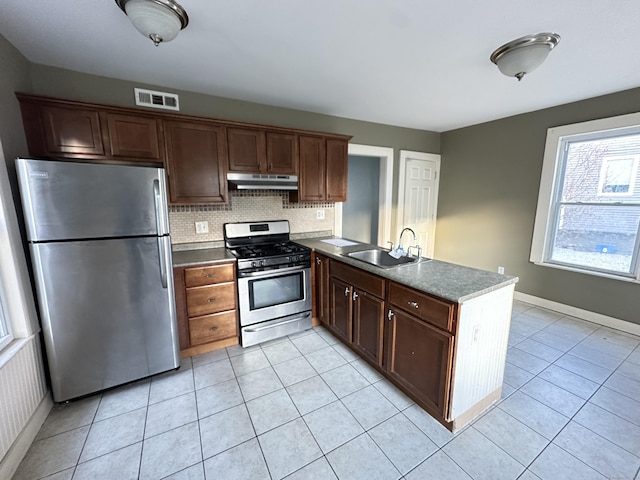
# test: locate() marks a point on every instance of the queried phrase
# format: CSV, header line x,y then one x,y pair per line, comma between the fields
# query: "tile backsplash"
x,y
248,206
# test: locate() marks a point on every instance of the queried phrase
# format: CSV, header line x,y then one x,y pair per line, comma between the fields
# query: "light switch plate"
x,y
202,227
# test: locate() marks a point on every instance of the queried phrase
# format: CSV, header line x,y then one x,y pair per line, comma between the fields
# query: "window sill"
x,y
588,272
8,352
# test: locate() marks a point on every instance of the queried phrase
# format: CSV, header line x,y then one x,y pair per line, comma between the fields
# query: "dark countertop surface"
x,y
446,280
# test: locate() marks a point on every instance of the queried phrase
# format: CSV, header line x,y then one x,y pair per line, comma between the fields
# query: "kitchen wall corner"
x,y
248,206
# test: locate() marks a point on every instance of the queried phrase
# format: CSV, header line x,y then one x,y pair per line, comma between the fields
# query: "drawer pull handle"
x,y
211,300
213,329
413,304
210,275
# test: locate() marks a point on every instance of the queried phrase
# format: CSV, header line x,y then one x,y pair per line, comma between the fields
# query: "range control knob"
x,y
262,263
254,264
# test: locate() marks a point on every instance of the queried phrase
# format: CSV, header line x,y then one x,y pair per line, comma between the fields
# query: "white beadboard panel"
x,y
480,357
22,388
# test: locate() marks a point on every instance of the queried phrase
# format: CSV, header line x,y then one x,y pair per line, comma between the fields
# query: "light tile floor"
x,y
306,407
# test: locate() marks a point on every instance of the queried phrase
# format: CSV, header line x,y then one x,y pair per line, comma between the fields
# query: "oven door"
x,y
273,294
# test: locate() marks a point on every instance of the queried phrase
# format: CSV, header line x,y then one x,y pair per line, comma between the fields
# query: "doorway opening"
x,y
367,212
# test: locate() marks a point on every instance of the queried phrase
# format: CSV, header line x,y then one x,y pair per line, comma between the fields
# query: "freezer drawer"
x,y
107,316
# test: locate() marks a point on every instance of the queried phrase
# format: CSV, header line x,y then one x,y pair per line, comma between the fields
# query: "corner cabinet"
x,y
195,162
323,169
206,307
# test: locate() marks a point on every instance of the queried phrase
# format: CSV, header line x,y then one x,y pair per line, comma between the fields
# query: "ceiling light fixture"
x,y
525,54
159,20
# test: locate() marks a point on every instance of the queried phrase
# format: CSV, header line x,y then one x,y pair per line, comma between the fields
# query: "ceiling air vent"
x,y
151,98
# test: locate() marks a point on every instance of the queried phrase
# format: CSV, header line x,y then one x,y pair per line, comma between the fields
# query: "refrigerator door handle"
x,y
162,249
162,253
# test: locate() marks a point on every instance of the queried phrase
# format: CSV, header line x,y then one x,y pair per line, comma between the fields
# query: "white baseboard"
x,y
20,447
593,317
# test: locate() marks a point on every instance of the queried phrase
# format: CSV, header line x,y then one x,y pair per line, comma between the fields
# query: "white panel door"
x,y
418,199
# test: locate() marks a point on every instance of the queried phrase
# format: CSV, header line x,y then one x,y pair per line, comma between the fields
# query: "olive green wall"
x,y
489,183
14,76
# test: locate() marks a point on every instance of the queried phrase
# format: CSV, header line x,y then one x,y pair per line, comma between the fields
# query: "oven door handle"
x,y
272,272
272,325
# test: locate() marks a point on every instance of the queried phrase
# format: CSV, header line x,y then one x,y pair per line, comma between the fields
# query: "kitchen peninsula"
x,y
437,330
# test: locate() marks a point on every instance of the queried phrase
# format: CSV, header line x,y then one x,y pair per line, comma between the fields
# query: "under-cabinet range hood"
x,y
259,181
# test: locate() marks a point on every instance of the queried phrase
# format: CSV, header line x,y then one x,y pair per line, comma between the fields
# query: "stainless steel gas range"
x,y
274,280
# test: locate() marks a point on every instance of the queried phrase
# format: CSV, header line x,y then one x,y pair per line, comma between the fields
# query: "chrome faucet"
x,y
402,233
415,240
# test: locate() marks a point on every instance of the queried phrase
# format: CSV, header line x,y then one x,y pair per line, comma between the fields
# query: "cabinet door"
x,y
322,288
72,131
246,150
340,308
282,153
368,325
195,156
181,307
420,359
337,170
134,137
311,182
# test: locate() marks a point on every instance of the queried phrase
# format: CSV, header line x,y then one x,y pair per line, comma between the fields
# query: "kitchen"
x,y
469,212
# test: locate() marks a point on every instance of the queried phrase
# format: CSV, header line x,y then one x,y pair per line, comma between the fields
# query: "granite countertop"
x,y
446,280
201,256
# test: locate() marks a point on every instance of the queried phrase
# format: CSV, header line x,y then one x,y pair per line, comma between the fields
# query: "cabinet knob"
x,y
210,275
413,304
213,329
355,294
389,315
346,292
211,300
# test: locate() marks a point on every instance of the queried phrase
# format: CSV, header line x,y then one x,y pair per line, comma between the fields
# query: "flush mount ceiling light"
x,y
525,54
159,20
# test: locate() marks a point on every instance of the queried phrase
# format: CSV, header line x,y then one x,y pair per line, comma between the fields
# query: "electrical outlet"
x,y
202,227
501,270
320,214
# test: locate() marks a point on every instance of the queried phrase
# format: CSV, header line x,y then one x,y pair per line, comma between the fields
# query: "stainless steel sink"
x,y
382,259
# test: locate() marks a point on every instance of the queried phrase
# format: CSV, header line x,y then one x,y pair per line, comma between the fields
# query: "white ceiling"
x,y
411,63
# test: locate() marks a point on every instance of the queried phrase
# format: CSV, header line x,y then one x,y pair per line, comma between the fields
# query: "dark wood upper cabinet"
x,y
260,151
337,156
195,162
246,150
323,170
282,153
311,183
135,137
71,131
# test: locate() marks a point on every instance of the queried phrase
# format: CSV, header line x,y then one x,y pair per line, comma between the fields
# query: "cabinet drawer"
x,y
210,299
358,278
211,328
423,306
198,276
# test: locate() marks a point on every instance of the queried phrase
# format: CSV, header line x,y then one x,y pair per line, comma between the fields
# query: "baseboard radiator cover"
x,y
22,389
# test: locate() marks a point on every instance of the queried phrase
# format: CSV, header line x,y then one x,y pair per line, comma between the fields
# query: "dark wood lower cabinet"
x,y
340,306
321,289
368,325
419,358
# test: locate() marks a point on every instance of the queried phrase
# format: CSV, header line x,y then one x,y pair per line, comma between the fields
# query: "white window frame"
x,y
632,179
541,244
6,336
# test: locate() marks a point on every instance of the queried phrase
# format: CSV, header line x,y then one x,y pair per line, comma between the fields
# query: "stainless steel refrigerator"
x,y
101,252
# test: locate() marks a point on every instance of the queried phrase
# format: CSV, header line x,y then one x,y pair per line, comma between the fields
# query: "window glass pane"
x,y
601,237
598,166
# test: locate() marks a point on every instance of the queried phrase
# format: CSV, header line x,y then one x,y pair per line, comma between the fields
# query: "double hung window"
x,y
589,202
